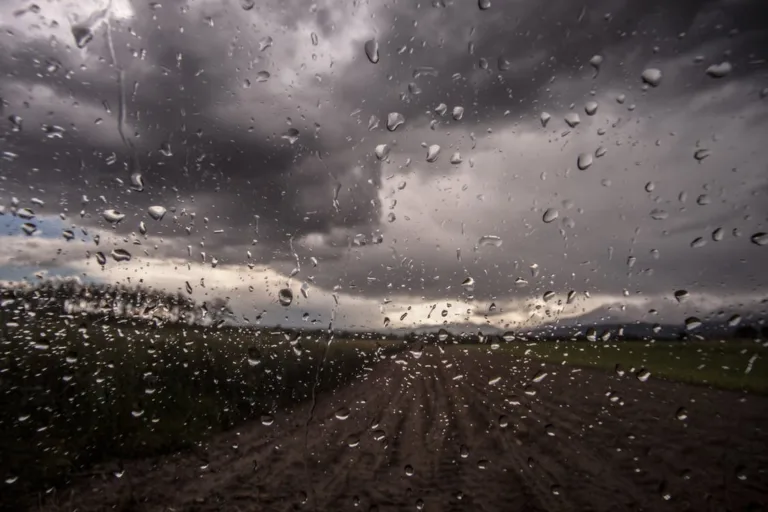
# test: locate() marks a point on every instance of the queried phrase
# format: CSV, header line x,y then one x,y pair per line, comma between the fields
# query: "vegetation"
x,y
83,388
735,364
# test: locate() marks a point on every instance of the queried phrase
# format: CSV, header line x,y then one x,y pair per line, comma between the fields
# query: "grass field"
x,y
723,365
77,393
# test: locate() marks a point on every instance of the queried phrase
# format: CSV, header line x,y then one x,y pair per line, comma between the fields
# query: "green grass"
x,y
76,392
718,364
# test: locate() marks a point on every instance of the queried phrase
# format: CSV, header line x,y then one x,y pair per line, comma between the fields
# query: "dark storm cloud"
x,y
231,166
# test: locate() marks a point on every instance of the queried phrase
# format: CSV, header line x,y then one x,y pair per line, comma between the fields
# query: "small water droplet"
x,y
701,154
101,258
643,375
262,76
265,43
548,295
681,414
682,295
372,50
651,76
247,5
657,214
342,413
441,109
596,61
545,117
28,228
456,158
16,123
464,451
267,420
409,470
590,108
458,113
508,336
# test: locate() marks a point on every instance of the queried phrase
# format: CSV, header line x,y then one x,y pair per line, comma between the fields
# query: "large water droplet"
x,y
572,119
433,152
719,70
442,335
489,241
658,214
484,4
681,414
590,108
113,216
120,255
247,5
262,76
596,61
584,161
265,43
28,228
156,212
441,109
681,295
458,113
394,119
508,336
651,76
382,150
291,135
82,34
456,158
701,154
692,323
285,297
468,283
342,413
760,239
372,50
545,117
550,215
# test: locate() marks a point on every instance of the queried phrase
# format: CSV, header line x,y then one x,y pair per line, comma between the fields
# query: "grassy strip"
x,y
718,364
76,394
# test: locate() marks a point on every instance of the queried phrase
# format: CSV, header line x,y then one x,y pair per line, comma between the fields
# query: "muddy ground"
x,y
438,433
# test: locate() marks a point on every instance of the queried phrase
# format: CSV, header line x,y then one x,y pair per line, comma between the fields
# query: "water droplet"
x,y
120,255
621,98
433,152
600,151
651,76
442,335
291,135
760,239
372,50
25,213
584,161
394,119
681,414
464,451
468,283
682,295
508,336
391,217
68,234
657,214
409,470
719,70
262,76
342,413
503,421
382,150
550,215
137,182
285,297
83,34
540,376
596,61
489,241
701,154
247,5
101,258
265,43
545,117
441,109
165,149
484,4
718,234
643,375
483,464
314,39
456,158
53,131
267,420
113,216
548,295
15,123
698,243
571,297
503,64
254,356
458,113
572,119
156,212
692,323
590,108
28,228
550,430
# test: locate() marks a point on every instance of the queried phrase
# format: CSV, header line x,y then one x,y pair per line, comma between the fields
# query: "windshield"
x,y
383,255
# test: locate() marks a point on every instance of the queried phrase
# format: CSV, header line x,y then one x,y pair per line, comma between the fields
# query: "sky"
x,y
262,130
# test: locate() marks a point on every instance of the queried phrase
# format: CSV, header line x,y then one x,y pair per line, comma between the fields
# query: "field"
x,y
735,364
76,393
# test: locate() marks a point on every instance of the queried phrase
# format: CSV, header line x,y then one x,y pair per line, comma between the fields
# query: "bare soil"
x,y
578,440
